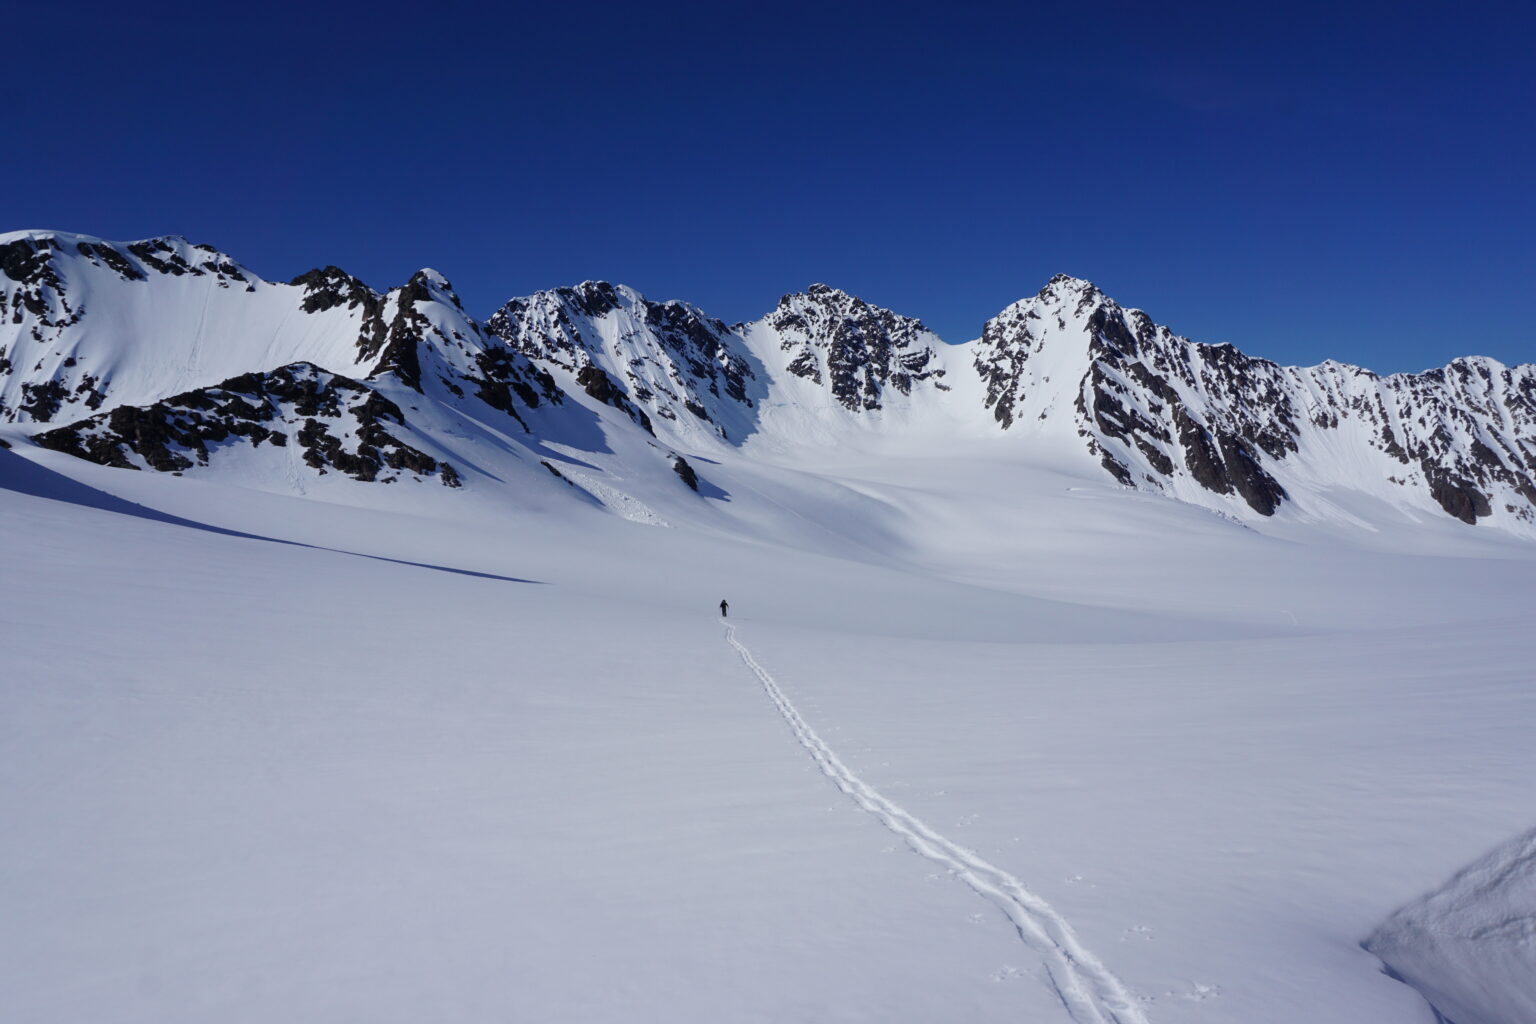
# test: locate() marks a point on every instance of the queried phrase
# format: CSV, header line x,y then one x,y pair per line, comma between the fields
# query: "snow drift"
x,y
1470,946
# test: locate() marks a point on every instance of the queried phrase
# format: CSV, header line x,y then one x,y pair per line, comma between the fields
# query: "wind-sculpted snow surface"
x,y
1088,990
1470,946
1067,376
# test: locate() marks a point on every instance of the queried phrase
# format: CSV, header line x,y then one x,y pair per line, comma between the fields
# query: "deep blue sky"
x,y
1346,180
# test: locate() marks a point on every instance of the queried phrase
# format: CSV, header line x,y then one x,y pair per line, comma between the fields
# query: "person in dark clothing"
x,y
723,608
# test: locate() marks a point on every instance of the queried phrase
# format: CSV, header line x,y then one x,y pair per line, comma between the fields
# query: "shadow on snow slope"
x,y
23,476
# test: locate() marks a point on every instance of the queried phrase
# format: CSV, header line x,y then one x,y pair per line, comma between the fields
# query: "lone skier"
x,y
724,608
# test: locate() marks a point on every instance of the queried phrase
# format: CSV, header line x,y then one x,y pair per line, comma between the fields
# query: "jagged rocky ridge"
x,y
162,354
668,359
330,421
1156,408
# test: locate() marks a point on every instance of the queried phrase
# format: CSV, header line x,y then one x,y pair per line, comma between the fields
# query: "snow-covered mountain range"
x,y
1077,673
164,355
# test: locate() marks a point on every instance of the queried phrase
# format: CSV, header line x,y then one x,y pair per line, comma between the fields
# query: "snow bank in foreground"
x,y
1470,947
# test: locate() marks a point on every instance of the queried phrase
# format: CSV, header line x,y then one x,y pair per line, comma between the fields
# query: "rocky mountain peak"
x,y
39,263
427,285
1060,283
1072,297
856,349
666,362
596,298
437,286
329,287
824,296
821,292
25,256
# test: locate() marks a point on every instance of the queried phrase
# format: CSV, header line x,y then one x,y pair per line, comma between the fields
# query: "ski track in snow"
x,y
1089,990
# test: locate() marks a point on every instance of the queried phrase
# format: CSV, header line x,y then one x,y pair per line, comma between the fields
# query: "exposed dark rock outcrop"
x,y
335,423
105,255
671,361
30,263
595,382
685,472
1458,497
331,287
1154,406
41,402
856,349
398,347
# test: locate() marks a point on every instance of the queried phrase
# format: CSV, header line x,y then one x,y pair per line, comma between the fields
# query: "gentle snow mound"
x,y
1470,947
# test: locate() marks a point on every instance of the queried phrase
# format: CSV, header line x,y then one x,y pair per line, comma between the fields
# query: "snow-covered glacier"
x,y
362,658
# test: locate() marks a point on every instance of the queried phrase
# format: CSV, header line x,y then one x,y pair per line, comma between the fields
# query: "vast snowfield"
x,y
983,740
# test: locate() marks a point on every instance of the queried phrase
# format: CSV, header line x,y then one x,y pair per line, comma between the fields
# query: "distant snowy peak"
x,y
39,268
1167,414
68,305
87,325
1157,411
420,336
1168,409
860,352
1467,431
1033,356
38,260
692,375
327,288
1160,408
666,360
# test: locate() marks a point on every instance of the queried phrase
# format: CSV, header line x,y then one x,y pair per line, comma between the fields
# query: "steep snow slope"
x,y
90,324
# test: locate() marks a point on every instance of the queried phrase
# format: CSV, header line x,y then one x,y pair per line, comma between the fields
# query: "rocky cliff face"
x,y
162,354
1161,411
1152,407
859,352
327,423
665,361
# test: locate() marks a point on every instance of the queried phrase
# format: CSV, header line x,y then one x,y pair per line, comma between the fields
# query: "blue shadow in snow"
x,y
26,477
709,490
